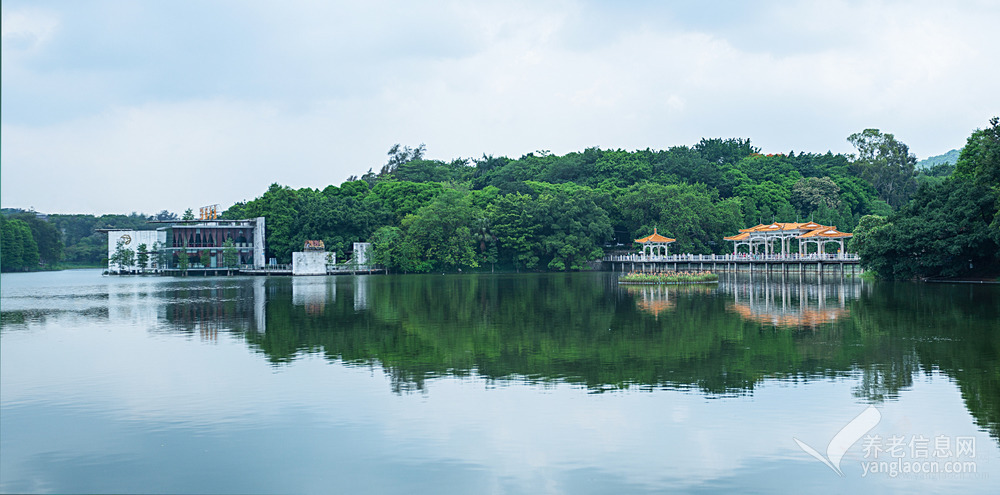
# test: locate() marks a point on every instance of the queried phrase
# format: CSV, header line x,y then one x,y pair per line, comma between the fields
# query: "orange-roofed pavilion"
x,y
655,244
762,238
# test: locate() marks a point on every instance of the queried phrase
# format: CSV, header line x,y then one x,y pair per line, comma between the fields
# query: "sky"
x,y
122,106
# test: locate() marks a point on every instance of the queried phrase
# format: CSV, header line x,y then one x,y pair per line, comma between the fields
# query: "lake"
x,y
512,383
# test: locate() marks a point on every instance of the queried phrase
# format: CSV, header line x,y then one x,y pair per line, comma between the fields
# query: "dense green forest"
x,y
57,241
950,228
548,212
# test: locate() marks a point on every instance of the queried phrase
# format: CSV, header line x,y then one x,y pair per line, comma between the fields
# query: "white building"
x,y
192,239
362,253
312,260
131,240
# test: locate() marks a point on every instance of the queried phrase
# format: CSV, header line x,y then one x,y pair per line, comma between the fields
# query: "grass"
x,y
668,278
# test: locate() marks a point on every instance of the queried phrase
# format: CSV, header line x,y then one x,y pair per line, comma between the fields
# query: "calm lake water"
x,y
519,383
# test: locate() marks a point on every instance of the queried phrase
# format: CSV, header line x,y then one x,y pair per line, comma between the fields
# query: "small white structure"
x,y
311,261
361,253
131,240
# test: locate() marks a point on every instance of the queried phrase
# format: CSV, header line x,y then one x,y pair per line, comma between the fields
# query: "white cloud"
x,y
26,30
310,93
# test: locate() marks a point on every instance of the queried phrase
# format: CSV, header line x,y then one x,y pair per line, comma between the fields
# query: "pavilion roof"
x,y
737,237
783,226
827,232
655,238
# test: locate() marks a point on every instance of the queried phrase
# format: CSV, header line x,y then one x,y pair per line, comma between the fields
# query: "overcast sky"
x,y
120,106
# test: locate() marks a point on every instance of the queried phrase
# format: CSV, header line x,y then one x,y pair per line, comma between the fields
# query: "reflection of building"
x,y
791,304
313,293
761,238
259,306
361,292
237,305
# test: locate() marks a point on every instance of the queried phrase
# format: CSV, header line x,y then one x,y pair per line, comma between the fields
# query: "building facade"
x,y
198,240
195,238
131,240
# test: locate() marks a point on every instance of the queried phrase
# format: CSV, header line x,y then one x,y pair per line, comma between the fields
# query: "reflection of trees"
x,y
936,326
584,329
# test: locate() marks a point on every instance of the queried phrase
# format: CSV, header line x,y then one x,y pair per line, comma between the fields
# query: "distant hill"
x,y
949,157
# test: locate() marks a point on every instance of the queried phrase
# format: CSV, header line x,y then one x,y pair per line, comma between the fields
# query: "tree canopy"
x,y
950,228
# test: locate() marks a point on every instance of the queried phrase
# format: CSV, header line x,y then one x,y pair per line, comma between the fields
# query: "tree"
x,y
47,237
722,151
188,215
809,193
399,155
441,233
944,231
517,222
142,257
230,257
622,168
205,258
18,250
562,228
870,241
159,255
183,261
165,215
885,163
123,257
387,248
483,235
980,159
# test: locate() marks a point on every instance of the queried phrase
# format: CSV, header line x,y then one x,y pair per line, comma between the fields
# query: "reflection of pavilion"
x,y
790,304
655,298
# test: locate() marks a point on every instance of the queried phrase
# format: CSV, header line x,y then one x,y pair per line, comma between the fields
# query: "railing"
x,y
267,268
351,267
735,257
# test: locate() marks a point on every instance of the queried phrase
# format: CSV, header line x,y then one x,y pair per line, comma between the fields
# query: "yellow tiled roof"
x,y
654,237
779,226
828,232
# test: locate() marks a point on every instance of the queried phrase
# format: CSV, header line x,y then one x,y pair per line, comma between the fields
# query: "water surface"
x,y
519,383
